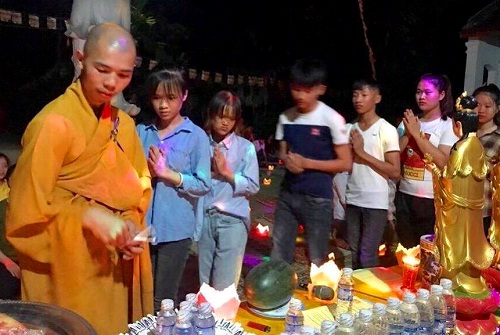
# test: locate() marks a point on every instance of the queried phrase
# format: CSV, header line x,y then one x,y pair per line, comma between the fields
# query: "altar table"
x,y
372,285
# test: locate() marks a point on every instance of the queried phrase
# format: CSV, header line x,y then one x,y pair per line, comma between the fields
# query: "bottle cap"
x,y
328,326
185,305
409,298
379,308
365,315
346,319
295,304
423,293
205,308
446,283
393,303
184,316
347,271
191,297
436,289
167,304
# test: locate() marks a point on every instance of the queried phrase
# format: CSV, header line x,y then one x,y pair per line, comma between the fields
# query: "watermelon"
x,y
270,285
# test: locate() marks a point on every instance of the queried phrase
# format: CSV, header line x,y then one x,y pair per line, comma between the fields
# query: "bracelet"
x,y
180,182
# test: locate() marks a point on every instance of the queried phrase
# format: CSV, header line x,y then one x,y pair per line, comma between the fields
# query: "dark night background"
x,y
253,37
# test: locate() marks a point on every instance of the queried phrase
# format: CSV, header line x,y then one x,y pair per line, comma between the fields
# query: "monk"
x,y
80,192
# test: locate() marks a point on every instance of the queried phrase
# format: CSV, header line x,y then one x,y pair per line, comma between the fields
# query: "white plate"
x,y
278,313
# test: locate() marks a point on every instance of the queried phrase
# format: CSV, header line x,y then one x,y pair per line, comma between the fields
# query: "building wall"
x,y
481,55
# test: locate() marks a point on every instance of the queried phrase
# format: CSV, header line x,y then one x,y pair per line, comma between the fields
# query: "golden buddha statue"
x,y
461,246
494,231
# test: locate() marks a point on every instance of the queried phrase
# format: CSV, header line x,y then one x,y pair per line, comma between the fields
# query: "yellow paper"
x,y
314,316
359,304
377,282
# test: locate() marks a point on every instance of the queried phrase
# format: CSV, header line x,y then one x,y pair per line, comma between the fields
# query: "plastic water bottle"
x,y
183,324
192,298
393,317
165,320
345,293
379,319
188,305
410,314
363,323
346,324
451,305
328,327
294,319
426,312
439,307
185,305
204,323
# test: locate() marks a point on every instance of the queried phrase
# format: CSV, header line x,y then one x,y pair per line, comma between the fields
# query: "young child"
x,y
375,148
313,146
4,185
179,161
235,176
10,273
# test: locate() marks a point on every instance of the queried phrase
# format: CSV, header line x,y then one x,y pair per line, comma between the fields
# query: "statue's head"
x,y
466,114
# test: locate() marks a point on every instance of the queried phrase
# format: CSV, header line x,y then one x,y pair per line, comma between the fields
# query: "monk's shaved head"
x,y
107,63
109,35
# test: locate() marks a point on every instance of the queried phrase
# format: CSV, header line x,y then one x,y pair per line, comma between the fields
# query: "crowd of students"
x,y
89,182
380,181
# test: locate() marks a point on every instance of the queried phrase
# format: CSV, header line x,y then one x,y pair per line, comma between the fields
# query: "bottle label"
x,y
439,327
294,320
345,293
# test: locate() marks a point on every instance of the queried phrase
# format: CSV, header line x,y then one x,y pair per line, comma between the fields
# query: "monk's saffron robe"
x,y
71,161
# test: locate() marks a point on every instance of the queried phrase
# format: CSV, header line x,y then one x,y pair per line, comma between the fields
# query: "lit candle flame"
x,y
402,251
263,230
382,249
327,274
411,261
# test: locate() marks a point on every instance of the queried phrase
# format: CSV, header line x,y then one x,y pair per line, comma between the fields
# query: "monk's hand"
x,y
132,249
132,246
12,267
106,227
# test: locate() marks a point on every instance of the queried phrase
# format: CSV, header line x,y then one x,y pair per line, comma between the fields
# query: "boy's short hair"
x,y
371,83
308,72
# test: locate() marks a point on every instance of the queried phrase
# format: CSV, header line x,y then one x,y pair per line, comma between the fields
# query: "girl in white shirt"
x,y
430,132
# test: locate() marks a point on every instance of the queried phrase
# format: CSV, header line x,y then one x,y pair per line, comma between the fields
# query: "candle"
x,y
327,275
262,230
410,272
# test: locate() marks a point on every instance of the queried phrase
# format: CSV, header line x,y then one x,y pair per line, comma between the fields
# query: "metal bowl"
x,y
53,320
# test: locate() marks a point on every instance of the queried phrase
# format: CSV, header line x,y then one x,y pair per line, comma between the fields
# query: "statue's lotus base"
x,y
492,277
475,312
477,327
476,307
